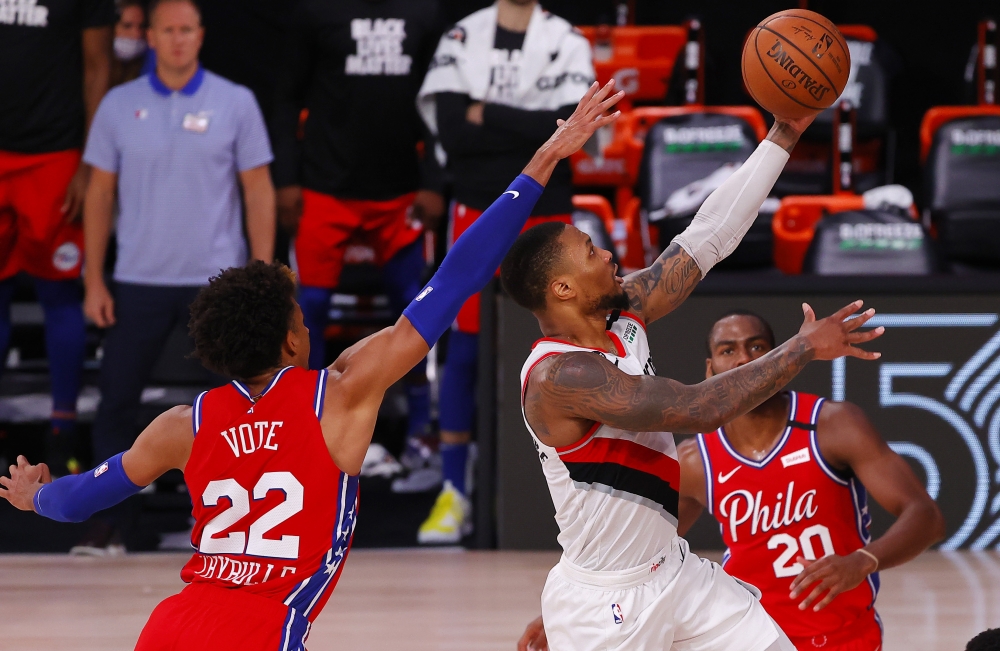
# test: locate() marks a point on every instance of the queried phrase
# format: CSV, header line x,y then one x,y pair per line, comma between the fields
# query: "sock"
x,y
458,382
6,296
454,457
315,304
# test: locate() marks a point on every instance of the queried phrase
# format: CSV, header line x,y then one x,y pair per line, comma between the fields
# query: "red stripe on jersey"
x,y
629,454
619,347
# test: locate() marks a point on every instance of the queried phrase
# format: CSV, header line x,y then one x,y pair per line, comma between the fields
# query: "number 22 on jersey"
x,y
252,541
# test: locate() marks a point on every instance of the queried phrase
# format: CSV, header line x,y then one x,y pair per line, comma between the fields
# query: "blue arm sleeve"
x,y
473,259
74,498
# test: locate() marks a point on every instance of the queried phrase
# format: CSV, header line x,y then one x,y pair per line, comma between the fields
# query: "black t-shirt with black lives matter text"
x,y
356,65
41,78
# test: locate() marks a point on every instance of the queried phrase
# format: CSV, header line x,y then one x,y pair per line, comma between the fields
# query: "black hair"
x,y
240,320
988,640
768,332
527,269
155,4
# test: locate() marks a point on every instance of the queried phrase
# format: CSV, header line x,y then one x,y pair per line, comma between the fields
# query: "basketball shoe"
x,y
450,519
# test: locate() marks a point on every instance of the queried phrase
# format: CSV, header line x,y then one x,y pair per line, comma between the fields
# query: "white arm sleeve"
x,y
727,214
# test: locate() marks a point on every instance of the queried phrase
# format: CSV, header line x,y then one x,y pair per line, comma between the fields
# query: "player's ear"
x,y
563,288
708,368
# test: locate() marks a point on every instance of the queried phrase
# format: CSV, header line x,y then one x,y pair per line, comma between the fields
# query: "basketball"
x,y
795,63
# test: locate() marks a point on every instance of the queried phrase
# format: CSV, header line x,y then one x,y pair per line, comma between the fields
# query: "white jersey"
x,y
615,491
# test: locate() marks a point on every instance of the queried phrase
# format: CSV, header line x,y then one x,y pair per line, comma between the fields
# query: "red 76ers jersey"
x,y
274,516
790,503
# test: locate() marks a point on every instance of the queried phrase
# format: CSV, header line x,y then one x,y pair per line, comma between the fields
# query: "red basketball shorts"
x,y
328,225
461,217
34,234
208,618
863,635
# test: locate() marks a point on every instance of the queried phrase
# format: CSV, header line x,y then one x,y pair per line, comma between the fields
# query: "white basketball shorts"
x,y
676,601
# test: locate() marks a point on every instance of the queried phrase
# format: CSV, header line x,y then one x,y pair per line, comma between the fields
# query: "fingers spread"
x,y
848,310
862,354
6,482
861,337
855,322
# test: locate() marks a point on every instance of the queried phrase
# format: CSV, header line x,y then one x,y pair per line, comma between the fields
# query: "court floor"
x,y
424,600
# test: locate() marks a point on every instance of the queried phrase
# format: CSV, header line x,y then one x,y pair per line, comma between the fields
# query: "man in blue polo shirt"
x,y
177,146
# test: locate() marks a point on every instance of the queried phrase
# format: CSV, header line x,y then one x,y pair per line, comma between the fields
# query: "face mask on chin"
x,y
127,49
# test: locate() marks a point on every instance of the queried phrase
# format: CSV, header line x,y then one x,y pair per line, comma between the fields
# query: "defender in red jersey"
x,y
271,460
788,483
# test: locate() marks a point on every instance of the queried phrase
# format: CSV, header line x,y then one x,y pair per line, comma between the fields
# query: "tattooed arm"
x,y
569,392
725,216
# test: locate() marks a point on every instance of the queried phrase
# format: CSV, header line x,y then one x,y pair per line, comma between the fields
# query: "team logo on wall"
x,y
66,257
959,413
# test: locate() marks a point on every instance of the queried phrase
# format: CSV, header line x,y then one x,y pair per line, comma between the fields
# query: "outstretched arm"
x,y
716,230
849,441
587,388
363,372
163,445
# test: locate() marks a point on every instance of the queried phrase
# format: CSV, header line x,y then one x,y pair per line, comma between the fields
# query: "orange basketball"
x,y
795,63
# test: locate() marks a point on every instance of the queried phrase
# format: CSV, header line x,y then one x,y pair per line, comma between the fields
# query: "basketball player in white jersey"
x,y
601,422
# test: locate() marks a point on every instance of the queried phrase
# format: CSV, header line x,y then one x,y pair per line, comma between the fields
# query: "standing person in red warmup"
x,y
58,62
787,483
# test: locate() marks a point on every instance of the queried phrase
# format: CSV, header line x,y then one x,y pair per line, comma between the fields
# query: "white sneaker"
x,y
449,521
379,463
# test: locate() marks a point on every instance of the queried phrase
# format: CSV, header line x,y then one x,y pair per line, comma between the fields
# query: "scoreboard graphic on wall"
x,y
934,395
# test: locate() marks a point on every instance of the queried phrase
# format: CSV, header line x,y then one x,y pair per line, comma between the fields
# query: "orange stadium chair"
x,y
839,233
641,61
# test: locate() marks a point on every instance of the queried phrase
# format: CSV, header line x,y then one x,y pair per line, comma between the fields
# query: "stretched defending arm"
x,y
165,444
716,230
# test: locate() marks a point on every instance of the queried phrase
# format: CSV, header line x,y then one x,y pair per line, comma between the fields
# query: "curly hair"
x,y
240,320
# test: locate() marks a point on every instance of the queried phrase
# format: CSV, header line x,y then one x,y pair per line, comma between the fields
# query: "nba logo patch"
x,y
100,470
616,612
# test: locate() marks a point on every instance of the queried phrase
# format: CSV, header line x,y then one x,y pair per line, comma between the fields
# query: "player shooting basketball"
x,y
788,483
272,459
601,421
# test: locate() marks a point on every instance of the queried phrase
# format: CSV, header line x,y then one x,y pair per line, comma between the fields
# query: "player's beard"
x,y
613,301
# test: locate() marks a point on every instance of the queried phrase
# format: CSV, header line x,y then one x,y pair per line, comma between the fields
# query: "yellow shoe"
x,y
450,519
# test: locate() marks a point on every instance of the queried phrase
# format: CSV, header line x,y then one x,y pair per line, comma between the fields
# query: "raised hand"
x,y
589,116
25,480
836,335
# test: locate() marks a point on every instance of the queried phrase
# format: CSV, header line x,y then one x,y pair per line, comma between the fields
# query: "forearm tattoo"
x,y
661,287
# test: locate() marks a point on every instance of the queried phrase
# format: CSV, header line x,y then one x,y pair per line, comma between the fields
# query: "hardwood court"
x,y
424,600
